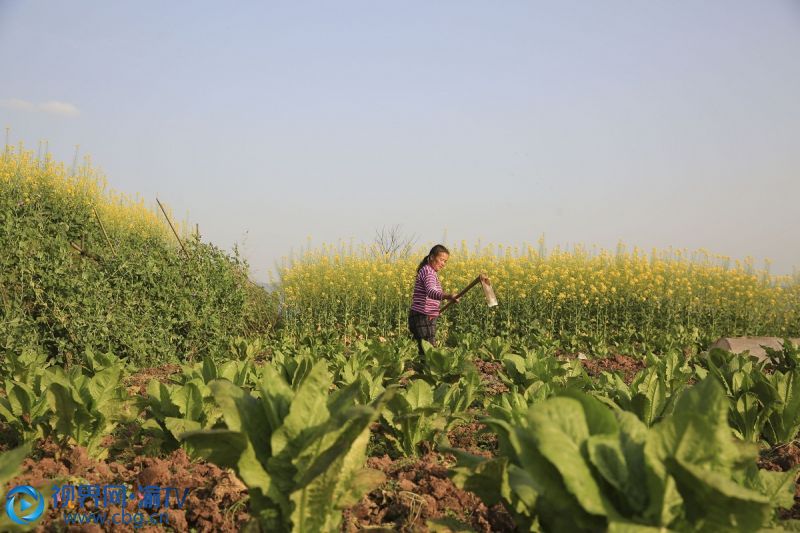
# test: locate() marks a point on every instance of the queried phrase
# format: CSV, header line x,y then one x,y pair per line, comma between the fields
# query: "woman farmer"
x,y
427,295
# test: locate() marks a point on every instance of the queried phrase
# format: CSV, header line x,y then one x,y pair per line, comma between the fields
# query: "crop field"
x,y
587,400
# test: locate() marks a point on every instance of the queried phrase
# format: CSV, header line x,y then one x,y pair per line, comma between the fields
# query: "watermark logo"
x,y
98,504
31,504
117,504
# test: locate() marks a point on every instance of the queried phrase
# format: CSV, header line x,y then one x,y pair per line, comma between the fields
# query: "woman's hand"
x,y
452,297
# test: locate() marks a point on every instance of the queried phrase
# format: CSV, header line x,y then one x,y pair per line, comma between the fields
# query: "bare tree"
x,y
392,244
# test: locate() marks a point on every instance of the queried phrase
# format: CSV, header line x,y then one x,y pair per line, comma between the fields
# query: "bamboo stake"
x,y
104,231
172,227
75,159
197,227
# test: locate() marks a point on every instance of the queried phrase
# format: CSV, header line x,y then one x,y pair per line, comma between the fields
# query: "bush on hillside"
x,y
66,288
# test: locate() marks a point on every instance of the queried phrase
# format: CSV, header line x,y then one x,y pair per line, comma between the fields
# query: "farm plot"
x,y
587,400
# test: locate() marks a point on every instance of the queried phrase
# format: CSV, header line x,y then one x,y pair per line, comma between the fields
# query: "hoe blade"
x,y
488,292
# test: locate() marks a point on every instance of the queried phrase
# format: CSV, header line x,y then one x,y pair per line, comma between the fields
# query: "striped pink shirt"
x,y
427,292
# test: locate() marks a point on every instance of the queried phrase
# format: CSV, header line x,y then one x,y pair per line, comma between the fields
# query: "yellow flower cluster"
x,y
39,181
584,290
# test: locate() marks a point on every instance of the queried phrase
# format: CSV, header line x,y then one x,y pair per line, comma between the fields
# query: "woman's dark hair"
x,y
436,250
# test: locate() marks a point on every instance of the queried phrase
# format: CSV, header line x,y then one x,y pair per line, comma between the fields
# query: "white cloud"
x,y
53,107
15,103
59,108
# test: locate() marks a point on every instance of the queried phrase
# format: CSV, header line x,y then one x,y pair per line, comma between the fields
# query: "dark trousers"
x,y
422,327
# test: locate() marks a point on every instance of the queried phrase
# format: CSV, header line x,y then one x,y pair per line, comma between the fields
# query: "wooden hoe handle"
x,y
463,292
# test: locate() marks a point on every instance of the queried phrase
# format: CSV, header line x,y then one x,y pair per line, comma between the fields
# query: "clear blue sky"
x,y
658,123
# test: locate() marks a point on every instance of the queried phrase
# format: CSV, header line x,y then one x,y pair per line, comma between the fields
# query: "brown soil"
x,y
781,459
216,501
418,490
8,438
624,365
137,383
489,370
473,438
